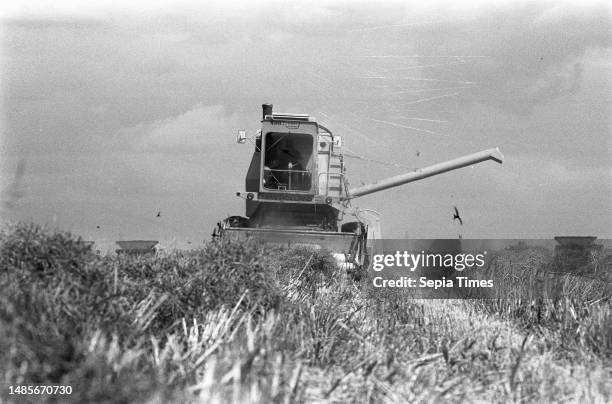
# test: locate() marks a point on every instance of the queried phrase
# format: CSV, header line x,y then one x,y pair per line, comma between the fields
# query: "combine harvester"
x,y
296,190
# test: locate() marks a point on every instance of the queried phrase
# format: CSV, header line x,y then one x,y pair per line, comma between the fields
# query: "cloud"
x,y
203,127
532,51
148,98
526,177
555,82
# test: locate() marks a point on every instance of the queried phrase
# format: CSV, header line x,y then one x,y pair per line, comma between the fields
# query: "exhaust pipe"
x,y
266,110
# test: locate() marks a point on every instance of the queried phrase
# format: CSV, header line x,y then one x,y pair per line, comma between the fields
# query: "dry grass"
x,y
533,293
238,323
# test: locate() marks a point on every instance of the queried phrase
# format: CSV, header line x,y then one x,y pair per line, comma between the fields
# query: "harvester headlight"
x,y
250,196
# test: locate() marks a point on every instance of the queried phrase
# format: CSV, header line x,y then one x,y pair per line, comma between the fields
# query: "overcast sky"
x,y
118,112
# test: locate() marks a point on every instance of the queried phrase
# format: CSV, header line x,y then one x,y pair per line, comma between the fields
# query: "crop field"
x,y
233,322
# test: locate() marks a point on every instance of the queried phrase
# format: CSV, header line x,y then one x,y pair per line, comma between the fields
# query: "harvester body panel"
x,y
335,241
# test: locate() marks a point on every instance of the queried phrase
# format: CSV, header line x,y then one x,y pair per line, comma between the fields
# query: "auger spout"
x,y
419,174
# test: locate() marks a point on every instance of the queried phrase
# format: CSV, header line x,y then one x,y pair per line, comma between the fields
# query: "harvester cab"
x,y
295,176
296,190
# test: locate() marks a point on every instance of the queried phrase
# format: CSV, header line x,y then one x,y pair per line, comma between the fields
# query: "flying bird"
x,y
457,217
158,213
418,153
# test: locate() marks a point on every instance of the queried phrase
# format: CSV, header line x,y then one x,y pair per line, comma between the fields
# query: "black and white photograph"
x,y
306,202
